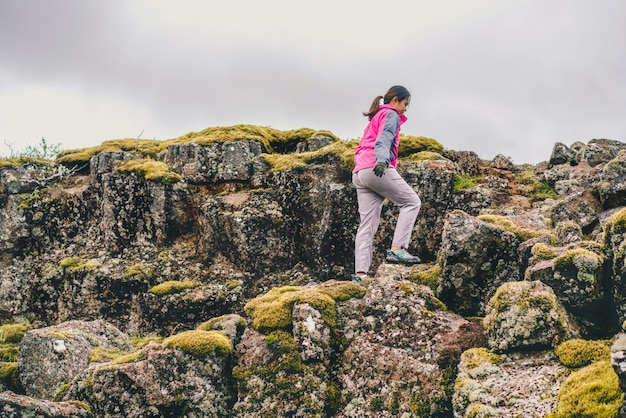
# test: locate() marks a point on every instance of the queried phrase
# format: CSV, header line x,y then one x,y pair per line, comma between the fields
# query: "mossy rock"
x,y
582,259
465,182
523,233
414,144
101,355
151,170
272,140
430,277
200,343
173,286
140,341
426,156
616,225
272,311
543,251
343,150
578,352
15,162
592,391
139,270
8,375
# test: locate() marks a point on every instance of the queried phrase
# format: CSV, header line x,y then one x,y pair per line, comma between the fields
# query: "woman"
x,y
375,178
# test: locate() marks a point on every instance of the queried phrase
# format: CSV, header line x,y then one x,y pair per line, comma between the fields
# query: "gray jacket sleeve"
x,y
383,149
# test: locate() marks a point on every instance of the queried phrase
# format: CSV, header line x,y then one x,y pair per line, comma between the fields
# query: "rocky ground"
x,y
208,276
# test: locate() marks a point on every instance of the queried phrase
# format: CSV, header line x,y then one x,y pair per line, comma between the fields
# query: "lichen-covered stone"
x,y
51,357
527,315
14,405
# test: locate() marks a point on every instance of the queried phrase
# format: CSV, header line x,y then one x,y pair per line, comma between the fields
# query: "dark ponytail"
x,y
396,91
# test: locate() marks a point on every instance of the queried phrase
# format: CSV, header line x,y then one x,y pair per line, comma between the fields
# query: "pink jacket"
x,y
380,139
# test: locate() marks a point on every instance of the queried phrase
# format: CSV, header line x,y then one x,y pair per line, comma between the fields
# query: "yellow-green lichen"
x,y
476,357
524,233
413,144
151,170
272,311
129,358
83,405
15,162
592,391
164,257
425,156
140,341
139,270
77,265
344,150
173,286
200,343
578,352
210,325
543,251
580,258
430,277
101,355
271,139
616,225
13,333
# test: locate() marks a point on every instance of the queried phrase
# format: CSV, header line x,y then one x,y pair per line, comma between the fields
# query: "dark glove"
x,y
379,169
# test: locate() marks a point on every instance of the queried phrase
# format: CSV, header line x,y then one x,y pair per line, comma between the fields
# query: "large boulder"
x,y
476,257
50,357
527,316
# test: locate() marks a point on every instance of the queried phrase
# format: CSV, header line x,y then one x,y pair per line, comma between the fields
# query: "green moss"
x,y
139,270
140,341
77,265
8,375
59,335
523,233
376,404
210,325
583,259
541,191
101,355
430,277
542,251
578,352
426,156
14,162
616,225
592,391
272,140
465,182
129,358
82,405
28,200
333,399
200,343
8,352
164,257
476,357
478,410
13,333
341,290
151,170
272,311
344,150
173,286
414,144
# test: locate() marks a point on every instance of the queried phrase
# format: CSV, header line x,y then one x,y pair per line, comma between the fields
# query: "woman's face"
x,y
400,105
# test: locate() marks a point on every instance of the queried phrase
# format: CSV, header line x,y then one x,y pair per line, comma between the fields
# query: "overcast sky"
x,y
507,77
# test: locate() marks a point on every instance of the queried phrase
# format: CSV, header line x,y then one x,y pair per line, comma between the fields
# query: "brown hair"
x,y
395,91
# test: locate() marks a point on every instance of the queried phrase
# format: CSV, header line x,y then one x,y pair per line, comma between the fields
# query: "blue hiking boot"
x,y
357,278
402,256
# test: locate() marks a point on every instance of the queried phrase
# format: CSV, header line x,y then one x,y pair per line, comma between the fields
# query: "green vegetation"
x,y
584,260
344,150
13,333
430,277
523,233
271,139
8,375
578,352
129,358
592,391
140,341
77,265
542,191
272,311
542,251
173,286
425,156
200,343
151,170
20,161
465,182
476,357
414,144
101,355
139,270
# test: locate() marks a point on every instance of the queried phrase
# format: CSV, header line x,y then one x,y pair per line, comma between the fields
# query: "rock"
x,y
598,151
582,208
518,384
562,154
618,361
476,257
501,162
527,316
158,381
13,405
51,357
611,186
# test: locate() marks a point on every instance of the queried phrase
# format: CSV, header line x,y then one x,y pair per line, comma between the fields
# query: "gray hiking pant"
x,y
371,192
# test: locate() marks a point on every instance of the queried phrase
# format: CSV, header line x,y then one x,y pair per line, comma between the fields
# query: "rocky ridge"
x,y
207,276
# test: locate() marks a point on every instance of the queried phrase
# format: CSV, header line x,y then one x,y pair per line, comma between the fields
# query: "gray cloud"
x,y
503,77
